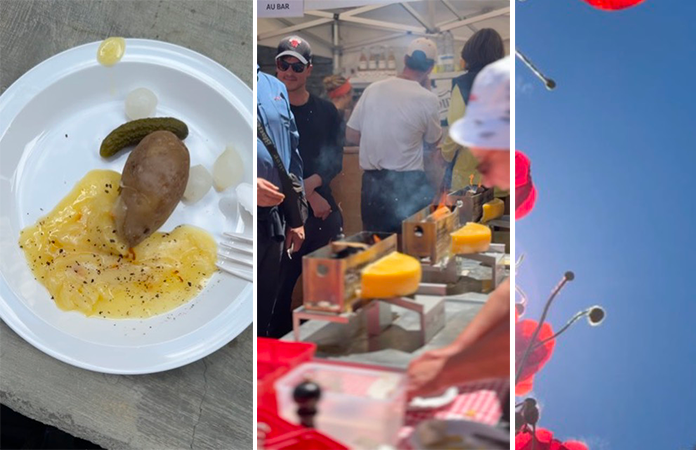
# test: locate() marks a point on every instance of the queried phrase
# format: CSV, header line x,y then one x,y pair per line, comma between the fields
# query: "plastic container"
x,y
391,59
275,358
382,63
372,63
282,435
441,58
303,440
276,427
449,52
362,64
363,407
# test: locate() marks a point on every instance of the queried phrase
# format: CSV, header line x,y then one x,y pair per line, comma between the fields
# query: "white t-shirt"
x,y
394,118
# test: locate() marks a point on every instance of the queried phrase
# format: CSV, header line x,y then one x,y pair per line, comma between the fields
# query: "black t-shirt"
x,y
321,142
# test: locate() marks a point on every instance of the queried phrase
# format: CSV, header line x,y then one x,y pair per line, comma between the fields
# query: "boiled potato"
x,y
152,184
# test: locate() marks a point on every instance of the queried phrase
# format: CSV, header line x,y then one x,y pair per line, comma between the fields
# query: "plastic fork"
x,y
236,249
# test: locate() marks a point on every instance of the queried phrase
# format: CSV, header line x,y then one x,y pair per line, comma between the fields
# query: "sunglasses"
x,y
283,66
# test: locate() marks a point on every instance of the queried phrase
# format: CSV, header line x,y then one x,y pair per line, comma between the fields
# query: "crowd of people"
x,y
396,125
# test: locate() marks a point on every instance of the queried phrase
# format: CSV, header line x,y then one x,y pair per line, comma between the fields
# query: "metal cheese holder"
x,y
331,289
378,316
331,275
426,236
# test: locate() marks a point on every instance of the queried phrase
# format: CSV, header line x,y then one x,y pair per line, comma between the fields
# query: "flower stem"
x,y
574,319
566,277
534,437
522,294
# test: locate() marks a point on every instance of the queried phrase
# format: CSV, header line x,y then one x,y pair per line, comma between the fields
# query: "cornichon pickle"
x,y
133,132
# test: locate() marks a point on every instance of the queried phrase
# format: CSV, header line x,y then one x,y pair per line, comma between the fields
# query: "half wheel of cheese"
x,y
395,275
493,210
471,238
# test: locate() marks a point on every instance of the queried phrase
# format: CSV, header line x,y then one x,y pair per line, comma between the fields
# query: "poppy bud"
x,y
530,402
570,276
530,411
596,315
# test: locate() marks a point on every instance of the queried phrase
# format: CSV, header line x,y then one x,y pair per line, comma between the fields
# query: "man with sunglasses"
x,y
321,149
395,121
482,350
273,237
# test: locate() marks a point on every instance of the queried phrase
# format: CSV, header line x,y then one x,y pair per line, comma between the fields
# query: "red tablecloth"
x,y
479,402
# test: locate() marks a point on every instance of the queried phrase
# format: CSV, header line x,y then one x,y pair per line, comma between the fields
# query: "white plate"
x,y
465,428
52,121
444,399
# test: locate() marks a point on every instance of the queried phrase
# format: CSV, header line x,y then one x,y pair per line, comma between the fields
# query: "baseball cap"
x,y
423,51
297,47
486,122
424,45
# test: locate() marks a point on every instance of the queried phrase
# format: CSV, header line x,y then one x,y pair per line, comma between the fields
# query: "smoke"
x,y
412,198
405,192
328,161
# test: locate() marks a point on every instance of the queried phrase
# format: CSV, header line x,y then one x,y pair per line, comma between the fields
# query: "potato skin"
x,y
153,182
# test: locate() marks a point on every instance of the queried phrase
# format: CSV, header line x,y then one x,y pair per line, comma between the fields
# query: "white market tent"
x,y
340,29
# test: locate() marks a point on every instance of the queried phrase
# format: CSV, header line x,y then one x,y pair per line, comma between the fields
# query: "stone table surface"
x,y
204,405
398,342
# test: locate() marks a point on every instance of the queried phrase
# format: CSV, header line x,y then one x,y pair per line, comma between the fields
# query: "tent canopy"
x,y
342,30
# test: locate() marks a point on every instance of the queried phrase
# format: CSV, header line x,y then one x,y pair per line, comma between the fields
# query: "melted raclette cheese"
x,y
76,254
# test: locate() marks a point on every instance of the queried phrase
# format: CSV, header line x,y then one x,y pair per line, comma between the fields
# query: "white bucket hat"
x,y
486,122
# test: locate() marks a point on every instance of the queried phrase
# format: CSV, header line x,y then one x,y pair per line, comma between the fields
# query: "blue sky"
x,y
613,153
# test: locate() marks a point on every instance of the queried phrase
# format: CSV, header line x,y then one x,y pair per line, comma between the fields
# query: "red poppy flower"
x,y
537,357
524,386
525,193
613,5
545,441
522,168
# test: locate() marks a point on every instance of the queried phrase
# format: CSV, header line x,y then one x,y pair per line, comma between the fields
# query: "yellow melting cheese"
x,y
395,275
111,51
471,238
75,253
492,210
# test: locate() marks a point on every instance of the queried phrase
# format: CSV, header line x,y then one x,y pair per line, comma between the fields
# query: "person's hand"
x,y
426,374
487,357
311,183
294,239
482,350
343,102
320,206
268,194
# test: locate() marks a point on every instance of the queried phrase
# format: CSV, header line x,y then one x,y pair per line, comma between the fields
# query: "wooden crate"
x,y
346,191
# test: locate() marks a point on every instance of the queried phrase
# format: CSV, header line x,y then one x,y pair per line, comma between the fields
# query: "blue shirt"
x,y
274,112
